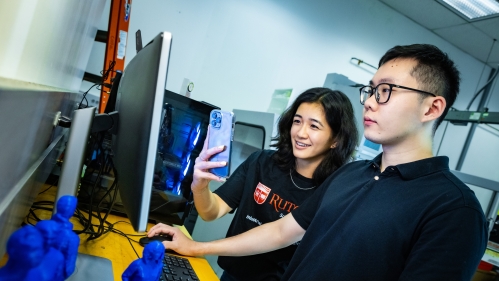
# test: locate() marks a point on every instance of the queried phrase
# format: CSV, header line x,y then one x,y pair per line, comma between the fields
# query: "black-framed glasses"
x,y
383,91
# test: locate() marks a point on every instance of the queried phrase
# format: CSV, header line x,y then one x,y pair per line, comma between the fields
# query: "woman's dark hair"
x,y
340,118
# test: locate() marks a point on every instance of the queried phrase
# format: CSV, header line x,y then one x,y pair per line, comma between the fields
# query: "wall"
x,y
96,61
47,42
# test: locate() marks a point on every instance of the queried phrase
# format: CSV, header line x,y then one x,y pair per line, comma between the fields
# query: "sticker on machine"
x,y
261,193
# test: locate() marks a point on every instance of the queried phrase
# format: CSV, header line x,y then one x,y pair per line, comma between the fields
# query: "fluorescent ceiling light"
x,y
474,9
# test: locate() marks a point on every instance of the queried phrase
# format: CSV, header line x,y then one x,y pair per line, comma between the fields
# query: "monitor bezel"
x,y
136,199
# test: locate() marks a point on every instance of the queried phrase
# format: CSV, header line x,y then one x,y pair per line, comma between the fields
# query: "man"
x,y
401,216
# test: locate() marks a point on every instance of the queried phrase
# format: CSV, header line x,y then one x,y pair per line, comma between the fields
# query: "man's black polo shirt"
x,y
414,221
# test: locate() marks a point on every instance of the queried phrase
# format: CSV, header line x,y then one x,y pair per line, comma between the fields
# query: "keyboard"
x,y
177,268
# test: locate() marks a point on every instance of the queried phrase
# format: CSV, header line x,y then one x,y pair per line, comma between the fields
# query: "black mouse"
x,y
146,240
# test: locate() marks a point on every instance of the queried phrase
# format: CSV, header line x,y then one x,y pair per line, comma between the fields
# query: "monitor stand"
x,y
92,268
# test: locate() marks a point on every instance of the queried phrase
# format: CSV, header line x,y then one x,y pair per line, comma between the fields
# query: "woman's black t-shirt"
x,y
260,192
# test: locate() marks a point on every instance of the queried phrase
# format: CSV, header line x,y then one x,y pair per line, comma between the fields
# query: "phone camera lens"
x,y
214,115
214,123
219,119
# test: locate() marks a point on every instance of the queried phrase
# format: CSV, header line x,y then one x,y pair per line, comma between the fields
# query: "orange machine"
x,y
114,58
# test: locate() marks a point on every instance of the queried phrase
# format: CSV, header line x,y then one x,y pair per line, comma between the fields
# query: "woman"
x,y
316,135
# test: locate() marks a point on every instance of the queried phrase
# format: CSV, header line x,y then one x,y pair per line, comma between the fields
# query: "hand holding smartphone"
x,y
221,133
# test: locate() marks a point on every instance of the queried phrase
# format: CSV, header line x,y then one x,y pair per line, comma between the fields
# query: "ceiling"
x,y
475,38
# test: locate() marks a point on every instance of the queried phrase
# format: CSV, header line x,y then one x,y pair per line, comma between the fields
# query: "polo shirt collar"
x,y
420,168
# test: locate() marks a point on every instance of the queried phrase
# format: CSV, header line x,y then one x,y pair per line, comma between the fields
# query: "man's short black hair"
x,y
435,72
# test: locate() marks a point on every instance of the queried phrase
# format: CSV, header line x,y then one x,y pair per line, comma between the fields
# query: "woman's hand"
x,y
180,243
202,176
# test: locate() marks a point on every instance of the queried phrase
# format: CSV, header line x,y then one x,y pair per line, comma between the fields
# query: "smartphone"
x,y
221,133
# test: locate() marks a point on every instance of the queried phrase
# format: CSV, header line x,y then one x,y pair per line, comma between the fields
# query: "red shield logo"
x,y
261,193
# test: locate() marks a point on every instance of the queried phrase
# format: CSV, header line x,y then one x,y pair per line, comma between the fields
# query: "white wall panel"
x,y
47,42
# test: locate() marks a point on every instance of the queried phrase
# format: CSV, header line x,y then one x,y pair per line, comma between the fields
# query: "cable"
x,y
491,90
493,128
93,214
84,216
52,185
85,96
105,74
110,227
164,204
87,222
108,70
483,88
491,79
121,233
103,219
104,162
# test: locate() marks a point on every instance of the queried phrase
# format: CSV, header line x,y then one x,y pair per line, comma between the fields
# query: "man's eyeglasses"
x,y
383,91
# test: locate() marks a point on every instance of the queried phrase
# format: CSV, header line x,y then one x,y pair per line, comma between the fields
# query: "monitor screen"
x,y
183,130
368,149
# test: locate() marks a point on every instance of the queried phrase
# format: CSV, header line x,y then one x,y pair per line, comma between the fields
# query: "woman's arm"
x,y
265,238
208,205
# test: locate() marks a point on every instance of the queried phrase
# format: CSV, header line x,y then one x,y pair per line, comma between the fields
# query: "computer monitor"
x,y
368,149
140,102
159,136
182,133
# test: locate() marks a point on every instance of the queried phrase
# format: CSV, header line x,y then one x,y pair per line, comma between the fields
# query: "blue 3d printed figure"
x,y
26,251
68,240
46,252
148,268
52,266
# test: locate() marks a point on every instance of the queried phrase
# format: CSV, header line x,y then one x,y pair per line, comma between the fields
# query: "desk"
x,y
116,247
